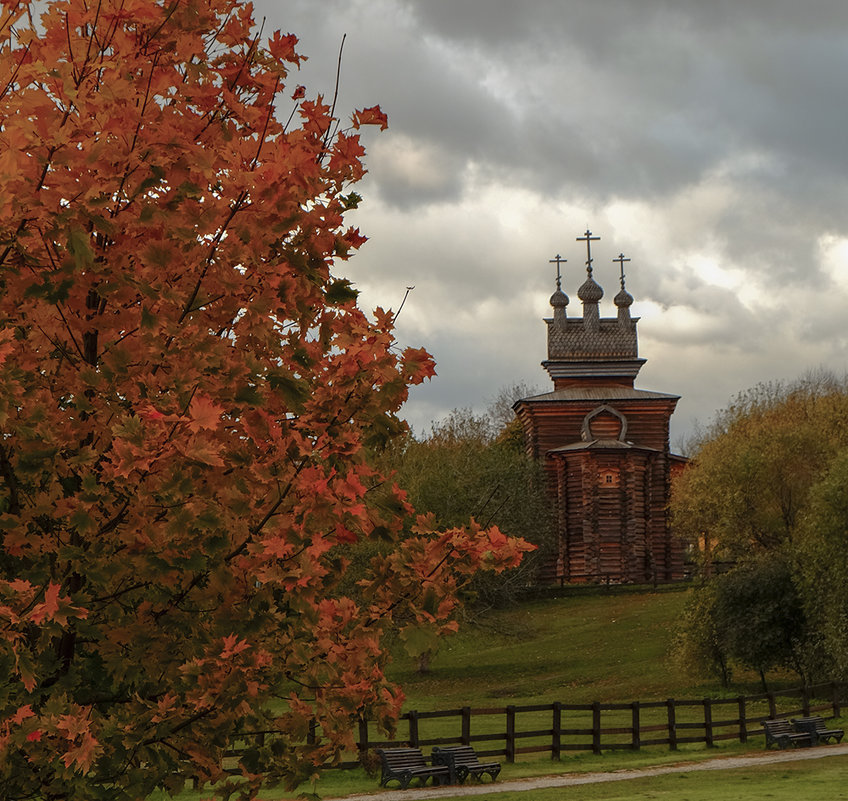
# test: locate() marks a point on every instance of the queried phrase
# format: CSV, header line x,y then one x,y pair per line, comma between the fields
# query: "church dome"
x,y
559,300
590,291
623,299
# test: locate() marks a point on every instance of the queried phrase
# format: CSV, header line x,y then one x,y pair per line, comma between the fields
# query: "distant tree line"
x,y
764,504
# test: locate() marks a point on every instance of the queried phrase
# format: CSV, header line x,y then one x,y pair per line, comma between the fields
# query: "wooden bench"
x,y
817,728
406,764
781,734
463,762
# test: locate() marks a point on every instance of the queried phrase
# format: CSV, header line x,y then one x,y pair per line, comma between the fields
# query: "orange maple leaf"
x,y
82,755
418,365
233,646
204,413
201,450
22,714
281,46
371,116
46,610
353,239
7,343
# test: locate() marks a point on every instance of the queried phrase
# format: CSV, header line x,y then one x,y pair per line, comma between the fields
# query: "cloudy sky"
x,y
704,140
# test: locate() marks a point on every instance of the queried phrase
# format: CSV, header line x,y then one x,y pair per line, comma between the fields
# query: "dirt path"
x,y
568,779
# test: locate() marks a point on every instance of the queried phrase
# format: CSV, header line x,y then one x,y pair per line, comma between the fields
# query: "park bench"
x,y
817,728
781,734
406,764
463,762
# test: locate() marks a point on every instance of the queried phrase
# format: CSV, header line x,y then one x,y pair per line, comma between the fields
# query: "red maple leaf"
x,y
370,116
281,46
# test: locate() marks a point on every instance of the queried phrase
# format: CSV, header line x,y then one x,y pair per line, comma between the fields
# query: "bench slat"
x,y
781,734
405,764
817,729
463,762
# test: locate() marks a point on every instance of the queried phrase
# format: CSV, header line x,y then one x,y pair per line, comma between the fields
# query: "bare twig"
x,y
328,132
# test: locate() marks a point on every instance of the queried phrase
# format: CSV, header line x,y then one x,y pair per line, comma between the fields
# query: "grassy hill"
x,y
576,649
580,647
610,646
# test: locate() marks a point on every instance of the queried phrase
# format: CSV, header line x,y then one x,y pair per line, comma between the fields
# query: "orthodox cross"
x,y
557,261
588,239
621,261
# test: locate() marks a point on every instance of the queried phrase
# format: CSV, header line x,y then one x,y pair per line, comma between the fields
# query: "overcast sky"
x,y
704,139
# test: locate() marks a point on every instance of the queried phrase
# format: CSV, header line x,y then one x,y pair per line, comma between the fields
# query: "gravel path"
x,y
568,779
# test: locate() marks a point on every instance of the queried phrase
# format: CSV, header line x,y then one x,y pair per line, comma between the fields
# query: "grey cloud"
x,y
682,130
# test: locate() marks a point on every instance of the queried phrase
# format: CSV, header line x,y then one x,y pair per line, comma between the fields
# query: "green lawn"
x,y
574,649
579,649
825,778
794,781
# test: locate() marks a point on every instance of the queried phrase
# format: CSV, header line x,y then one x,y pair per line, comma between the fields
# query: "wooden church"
x,y
604,444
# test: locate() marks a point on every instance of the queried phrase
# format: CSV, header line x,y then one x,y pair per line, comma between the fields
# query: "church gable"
x,y
604,422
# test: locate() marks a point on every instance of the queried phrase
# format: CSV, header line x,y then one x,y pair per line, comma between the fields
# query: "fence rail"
x,y
556,728
559,727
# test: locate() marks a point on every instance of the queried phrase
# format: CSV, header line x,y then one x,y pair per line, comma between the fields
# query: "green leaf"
x,y
158,254
82,521
148,320
80,249
248,395
418,640
351,201
293,390
50,291
340,292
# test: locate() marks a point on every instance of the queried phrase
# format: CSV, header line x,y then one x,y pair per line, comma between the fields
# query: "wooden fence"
x,y
558,727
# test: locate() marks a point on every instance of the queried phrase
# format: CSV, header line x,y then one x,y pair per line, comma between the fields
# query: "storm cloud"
x,y
705,141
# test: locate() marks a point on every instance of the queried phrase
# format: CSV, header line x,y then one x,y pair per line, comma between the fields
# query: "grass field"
x,y
794,781
825,778
575,649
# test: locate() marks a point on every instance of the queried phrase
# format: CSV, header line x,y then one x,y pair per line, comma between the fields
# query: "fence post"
x,y
743,720
708,722
636,727
772,706
465,737
672,725
556,737
413,729
835,695
510,733
805,701
596,727
363,738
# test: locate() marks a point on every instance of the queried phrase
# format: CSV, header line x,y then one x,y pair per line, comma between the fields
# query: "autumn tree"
x,y
822,567
752,471
697,648
186,384
470,467
763,495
